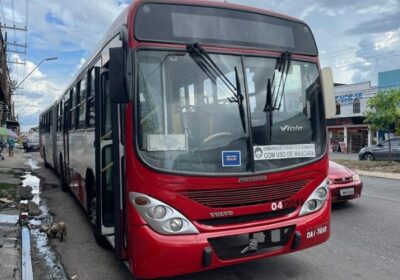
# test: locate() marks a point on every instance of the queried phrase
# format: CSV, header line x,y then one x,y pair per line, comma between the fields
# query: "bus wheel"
x,y
64,186
45,161
90,197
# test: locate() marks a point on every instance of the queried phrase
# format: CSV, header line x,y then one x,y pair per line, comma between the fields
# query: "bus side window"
x,y
60,116
66,115
90,114
106,107
71,119
82,103
76,105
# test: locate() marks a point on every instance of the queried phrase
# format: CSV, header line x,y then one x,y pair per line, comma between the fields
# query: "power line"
x,y
393,54
368,46
26,33
2,11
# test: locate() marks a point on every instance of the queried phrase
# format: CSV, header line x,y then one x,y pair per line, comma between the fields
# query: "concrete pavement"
x,y
10,237
337,155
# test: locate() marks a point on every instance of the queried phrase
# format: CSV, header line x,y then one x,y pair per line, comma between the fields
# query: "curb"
x,y
26,262
378,174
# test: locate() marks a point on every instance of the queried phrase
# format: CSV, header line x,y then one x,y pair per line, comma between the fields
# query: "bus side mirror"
x,y
328,92
119,76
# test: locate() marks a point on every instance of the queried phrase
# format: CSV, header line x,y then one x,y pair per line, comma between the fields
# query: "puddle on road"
x,y
46,262
8,219
32,163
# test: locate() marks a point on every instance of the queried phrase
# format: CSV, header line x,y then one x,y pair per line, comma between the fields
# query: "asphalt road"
x,y
364,243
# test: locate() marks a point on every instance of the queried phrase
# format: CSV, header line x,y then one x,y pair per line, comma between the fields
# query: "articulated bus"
x,y
195,137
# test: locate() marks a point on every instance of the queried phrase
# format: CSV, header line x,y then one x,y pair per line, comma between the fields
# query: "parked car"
x,y
381,151
344,183
32,144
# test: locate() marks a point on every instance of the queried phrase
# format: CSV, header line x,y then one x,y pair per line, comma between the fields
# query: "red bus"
x,y
195,137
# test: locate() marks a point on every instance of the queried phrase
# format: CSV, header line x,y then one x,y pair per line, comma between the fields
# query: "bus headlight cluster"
x,y
161,217
316,200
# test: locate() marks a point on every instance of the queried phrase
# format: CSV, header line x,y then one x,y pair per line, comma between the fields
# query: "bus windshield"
x,y
188,118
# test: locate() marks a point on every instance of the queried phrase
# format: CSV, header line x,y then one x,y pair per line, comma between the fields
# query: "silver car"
x,y
381,151
32,144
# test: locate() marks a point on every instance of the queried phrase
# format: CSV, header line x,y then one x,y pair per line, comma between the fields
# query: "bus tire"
x,y
64,186
46,165
89,185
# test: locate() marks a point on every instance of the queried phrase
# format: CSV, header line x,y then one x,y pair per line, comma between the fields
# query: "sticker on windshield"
x,y
231,158
167,142
284,151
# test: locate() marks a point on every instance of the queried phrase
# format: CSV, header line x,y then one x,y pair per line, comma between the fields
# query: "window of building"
x,y
337,108
356,106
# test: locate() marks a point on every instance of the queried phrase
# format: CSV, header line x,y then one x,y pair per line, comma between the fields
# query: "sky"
x,y
357,39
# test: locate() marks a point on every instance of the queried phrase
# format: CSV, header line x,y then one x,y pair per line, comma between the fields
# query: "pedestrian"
x,y
11,144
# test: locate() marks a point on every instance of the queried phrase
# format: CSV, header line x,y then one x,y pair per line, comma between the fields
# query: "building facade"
x,y
347,131
5,85
389,79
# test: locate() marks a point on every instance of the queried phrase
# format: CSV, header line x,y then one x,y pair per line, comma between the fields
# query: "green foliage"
x,y
384,110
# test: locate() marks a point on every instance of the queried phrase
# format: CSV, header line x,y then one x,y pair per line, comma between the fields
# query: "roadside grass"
x,y
8,190
374,166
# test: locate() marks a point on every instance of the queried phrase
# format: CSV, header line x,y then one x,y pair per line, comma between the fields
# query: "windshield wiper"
x,y
211,69
283,66
268,109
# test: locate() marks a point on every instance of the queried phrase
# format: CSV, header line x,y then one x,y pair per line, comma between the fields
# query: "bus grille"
x,y
246,196
246,218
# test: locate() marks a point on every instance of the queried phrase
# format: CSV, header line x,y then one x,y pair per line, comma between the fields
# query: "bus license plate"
x,y
347,191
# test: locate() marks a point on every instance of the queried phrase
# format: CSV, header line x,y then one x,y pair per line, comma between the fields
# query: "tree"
x,y
384,112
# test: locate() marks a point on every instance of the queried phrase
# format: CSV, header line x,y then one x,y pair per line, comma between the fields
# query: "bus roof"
x,y
123,19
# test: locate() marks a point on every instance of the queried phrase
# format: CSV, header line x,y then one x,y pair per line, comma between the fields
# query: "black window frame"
x,y
338,108
356,106
90,97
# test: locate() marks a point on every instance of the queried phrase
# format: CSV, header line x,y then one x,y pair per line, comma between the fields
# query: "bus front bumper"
x,y
153,255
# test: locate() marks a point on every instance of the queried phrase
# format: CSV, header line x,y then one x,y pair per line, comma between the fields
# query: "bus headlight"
x,y
175,224
316,200
161,217
158,212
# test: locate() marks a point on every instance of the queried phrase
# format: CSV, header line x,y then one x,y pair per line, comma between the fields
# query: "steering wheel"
x,y
216,139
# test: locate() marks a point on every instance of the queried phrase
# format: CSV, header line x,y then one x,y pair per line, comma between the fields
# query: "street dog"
x,y
57,229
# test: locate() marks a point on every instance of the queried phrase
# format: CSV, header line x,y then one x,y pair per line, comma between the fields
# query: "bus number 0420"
x,y
279,205
276,205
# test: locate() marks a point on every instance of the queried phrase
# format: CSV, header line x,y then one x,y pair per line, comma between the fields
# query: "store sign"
x,y
348,98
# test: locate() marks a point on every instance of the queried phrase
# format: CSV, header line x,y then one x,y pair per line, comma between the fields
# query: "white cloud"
x,y
45,90
76,25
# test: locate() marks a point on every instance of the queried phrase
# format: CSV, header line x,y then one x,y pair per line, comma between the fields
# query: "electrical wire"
x,y
2,12
368,46
373,58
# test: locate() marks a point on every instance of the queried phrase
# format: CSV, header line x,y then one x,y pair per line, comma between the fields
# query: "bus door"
x,y
109,201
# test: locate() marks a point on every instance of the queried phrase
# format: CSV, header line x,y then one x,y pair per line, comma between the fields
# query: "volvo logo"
x,y
288,128
221,214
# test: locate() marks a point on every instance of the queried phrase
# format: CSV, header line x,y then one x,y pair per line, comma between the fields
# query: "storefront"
x,y
347,131
349,135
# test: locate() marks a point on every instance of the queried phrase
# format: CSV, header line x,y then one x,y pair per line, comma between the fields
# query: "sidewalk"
x,y
10,236
10,251
337,155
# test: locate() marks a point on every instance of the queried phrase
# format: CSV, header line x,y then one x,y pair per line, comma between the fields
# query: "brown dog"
x,y
57,229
